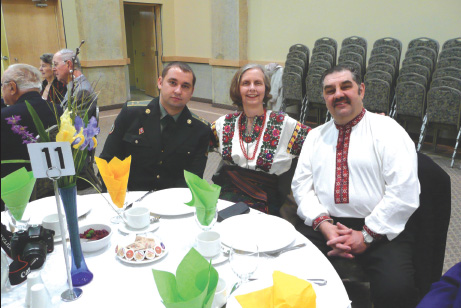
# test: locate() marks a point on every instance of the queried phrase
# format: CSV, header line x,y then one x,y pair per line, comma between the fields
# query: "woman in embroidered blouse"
x,y
257,145
52,91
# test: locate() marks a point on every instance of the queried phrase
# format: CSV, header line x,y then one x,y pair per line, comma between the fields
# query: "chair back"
x,y
450,52
425,42
449,62
294,61
422,51
300,47
357,67
444,106
387,50
299,55
410,99
314,89
321,63
293,69
447,71
325,49
316,70
413,77
389,41
355,40
381,66
379,75
328,41
416,68
447,82
322,56
292,87
385,59
421,60
455,42
377,96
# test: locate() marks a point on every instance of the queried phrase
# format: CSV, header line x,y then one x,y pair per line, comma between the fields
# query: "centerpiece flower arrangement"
x,y
74,127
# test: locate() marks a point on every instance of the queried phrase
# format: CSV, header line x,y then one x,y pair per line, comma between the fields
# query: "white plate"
x,y
127,229
218,259
271,233
169,202
146,261
38,209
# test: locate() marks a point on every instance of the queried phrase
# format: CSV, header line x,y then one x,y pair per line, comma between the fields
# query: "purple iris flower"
x,y
89,132
13,119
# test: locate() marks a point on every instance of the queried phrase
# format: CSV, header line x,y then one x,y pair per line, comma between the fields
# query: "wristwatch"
x,y
367,238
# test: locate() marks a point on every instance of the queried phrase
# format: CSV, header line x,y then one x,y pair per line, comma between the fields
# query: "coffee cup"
x,y
138,217
39,298
52,222
209,243
220,295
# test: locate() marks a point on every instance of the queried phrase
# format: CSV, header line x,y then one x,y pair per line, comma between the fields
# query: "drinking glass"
x,y
17,219
118,198
243,259
206,218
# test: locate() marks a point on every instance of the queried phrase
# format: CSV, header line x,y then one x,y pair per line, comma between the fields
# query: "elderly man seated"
x,y
21,83
65,65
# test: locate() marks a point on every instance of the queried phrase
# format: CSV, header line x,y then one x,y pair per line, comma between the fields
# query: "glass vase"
x,y
80,273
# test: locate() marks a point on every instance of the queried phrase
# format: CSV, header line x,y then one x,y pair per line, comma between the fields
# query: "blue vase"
x,y
80,273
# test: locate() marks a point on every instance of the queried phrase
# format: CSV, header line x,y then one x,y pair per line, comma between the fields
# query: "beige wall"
x,y
273,26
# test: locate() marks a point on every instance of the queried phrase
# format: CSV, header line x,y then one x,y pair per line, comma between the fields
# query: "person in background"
x,y
83,96
53,91
356,186
162,136
257,145
21,83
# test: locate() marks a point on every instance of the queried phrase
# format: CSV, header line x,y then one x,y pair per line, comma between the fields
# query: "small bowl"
x,y
90,246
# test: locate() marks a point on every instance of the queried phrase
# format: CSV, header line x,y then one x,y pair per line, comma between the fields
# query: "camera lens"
x,y
35,254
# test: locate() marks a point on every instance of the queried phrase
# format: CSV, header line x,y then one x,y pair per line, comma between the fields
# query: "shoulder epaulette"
x,y
137,103
200,119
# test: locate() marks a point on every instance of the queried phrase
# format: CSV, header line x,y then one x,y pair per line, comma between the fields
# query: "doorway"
x,y
31,29
143,43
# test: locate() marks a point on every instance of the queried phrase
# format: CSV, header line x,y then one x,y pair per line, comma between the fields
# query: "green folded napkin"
x,y
194,285
204,197
16,190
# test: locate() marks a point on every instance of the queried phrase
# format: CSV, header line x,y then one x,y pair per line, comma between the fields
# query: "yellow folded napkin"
x,y
115,175
287,292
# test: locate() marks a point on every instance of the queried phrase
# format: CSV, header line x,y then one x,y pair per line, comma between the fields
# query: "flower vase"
x,y
80,273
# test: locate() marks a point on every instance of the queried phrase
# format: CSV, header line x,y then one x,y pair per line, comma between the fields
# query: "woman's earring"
x,y
71,71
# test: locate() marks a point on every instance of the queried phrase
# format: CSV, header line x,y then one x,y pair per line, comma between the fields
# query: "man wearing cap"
x,y
162,136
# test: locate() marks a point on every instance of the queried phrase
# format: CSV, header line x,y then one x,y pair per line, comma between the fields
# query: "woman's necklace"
x,y
258,138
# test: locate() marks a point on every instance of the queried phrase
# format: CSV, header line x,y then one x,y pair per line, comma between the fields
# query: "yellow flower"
x,y
67,130
79,139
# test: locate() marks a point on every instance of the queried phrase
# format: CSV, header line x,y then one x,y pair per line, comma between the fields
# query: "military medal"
x,y
141,130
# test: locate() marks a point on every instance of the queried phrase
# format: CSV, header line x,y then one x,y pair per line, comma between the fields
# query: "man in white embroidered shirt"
x,y
357,184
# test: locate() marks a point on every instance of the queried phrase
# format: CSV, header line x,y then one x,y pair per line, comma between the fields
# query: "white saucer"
x,y
218,259
127,229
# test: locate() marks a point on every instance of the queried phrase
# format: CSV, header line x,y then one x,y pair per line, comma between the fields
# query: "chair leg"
x,y
422,135
434,139
304,110
456,148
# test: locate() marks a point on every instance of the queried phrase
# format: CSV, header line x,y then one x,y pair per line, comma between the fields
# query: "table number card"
x,y
51,159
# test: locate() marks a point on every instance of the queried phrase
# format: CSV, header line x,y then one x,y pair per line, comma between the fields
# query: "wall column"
x,y
229,45
103,56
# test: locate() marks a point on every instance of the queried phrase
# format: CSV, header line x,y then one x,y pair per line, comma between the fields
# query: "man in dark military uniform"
x,y
162,136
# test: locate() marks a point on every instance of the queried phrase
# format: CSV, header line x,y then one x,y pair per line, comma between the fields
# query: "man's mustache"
x,y
341,100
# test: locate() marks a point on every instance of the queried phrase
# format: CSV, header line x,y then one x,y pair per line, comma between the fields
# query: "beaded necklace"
x,y
258,138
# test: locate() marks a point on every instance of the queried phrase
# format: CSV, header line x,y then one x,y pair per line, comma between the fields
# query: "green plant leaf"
x,y
38,123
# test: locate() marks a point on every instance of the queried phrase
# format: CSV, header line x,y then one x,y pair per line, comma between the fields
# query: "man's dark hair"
x,y
343,67
47,58
182,66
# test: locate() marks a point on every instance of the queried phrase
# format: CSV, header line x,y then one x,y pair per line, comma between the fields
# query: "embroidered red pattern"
x,y
342,150
297,139
319,220
228,134
374,235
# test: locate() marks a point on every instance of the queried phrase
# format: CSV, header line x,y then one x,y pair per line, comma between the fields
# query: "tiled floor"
x,y
442,157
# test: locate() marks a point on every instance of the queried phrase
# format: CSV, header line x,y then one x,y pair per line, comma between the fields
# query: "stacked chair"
x,y
381,75
444,95
294,74
323,57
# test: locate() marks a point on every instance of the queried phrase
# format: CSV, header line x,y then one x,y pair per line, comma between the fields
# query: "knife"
x,y
140,199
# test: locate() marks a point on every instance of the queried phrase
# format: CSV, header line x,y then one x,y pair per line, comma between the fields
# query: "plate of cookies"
x,y
142,250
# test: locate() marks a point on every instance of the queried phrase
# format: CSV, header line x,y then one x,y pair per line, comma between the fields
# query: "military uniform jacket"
x,y
137,132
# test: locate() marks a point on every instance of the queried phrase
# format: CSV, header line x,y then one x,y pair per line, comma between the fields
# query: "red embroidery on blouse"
x,y
342,150
319,220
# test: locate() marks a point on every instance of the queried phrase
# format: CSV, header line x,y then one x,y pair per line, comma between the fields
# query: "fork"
x,y
154,219
278,253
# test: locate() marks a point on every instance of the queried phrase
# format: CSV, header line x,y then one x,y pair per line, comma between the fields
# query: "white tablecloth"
x,y
117,284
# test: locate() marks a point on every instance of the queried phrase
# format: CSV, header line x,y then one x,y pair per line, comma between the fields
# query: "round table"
x,y
118,284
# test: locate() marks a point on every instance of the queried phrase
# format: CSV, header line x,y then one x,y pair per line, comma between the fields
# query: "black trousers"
x,y
388,264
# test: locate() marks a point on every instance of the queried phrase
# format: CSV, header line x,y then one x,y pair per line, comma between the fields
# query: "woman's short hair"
x,y
235,84
47,58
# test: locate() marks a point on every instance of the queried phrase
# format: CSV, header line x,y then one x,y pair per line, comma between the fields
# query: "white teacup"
x,y
138,217
52,222
220,295
209,243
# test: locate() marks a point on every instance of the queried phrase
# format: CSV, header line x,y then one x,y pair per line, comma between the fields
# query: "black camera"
x,y
32,245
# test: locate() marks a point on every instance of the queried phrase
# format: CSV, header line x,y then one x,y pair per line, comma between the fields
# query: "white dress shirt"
x,y
383,175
